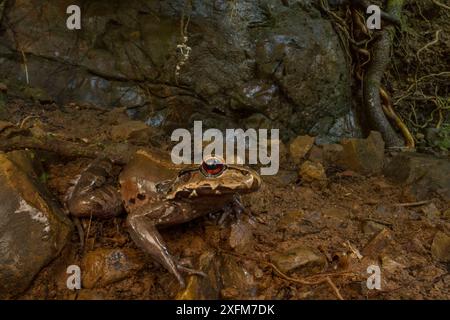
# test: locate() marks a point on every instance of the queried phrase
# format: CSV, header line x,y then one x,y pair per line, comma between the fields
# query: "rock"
x,y
440,249
130,130
203,288
237,281
105,266
37,95
241,236
313,172
33,228
299,147
377,244
431,212
316,154
365,156
3,88
283,178
332,153
370,227
235,76
423,174
303,258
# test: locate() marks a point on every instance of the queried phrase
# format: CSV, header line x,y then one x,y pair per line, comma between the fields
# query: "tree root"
x,y
373,77
389,111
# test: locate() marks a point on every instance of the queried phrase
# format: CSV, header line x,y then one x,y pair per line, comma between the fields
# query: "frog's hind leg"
x,y
144,233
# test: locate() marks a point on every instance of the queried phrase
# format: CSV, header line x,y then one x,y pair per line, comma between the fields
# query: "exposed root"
x,y
373,77
389,111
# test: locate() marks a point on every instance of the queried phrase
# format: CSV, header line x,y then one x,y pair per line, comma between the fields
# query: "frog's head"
x,y
214,177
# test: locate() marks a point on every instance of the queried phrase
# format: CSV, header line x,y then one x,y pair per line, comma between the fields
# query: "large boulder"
x,y
33,228
251,64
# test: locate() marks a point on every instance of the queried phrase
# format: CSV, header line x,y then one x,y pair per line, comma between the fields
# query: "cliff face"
x,y
252,64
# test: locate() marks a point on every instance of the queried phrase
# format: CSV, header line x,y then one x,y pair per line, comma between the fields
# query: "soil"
x,y
328,219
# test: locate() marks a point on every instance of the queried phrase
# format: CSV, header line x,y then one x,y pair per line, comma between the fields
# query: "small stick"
x,y
413,204
335,289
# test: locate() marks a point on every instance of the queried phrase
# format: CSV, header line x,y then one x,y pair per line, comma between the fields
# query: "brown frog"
x,y
156,193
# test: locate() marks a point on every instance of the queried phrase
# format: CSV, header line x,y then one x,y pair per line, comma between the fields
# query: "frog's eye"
x,y
212,167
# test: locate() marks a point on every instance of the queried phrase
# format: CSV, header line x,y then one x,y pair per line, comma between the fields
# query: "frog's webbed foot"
x,y
235,207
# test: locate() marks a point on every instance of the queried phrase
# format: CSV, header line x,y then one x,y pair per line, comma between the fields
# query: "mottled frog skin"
x,y
156,193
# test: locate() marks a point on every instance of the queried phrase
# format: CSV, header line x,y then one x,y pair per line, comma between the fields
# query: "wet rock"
x,y
241,236
131,130
440,249
423,174
299,147
302,258
237,281
203,288
365,156
105,266
235,76
313,172
33,228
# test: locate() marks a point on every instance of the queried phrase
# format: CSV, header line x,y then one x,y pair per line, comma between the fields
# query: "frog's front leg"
x,y
235,206
142,227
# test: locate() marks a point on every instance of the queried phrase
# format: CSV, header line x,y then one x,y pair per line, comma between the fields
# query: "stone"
x,y
299,147
203,288
103,266
316,154
365,156
313,172
440,249
422,174
130,130
291,76
431,212
302,258
3,87
33,227
283,178
237,281
241,236
332,153
370,227
37,95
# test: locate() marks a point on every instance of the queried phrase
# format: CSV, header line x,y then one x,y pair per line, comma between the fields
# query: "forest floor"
x,y
336,230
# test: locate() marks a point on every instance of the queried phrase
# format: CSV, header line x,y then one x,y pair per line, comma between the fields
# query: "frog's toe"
x,y
191,271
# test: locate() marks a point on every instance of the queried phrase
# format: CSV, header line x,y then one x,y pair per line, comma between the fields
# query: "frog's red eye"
x,y
212,167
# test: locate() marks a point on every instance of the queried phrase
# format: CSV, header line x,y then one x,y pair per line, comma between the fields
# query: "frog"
x,y
155,193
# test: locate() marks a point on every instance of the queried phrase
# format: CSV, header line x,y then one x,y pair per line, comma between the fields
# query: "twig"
x,y
413,204
440,4
335,289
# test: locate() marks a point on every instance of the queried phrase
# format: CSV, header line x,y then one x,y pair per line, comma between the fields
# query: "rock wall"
x,y
252,63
